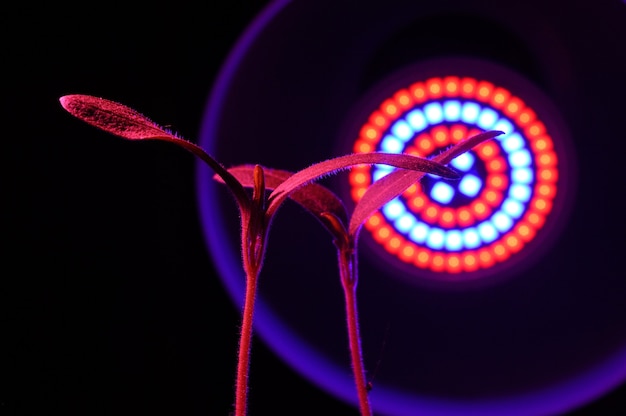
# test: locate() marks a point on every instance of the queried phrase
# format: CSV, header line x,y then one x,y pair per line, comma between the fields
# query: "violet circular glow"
x,y
306,359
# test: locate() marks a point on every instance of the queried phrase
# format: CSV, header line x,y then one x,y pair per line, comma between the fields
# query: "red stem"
x,y
253,237
349,278
245,335
245,341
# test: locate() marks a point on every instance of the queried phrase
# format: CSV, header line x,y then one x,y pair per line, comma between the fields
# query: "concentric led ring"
x,y
505,194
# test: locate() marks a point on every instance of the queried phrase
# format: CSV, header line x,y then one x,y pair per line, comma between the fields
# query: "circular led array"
x,y
506,191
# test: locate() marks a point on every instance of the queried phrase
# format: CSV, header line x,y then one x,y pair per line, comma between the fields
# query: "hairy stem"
x,y
349,277
245,334
245,342
253,237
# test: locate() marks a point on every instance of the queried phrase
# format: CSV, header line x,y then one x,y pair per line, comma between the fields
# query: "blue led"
x,y
520,158
501,221
470,185
513,208
393,209
520,192
487,119
436,238
419,232
391,144
434,113
512,143
454,240
464,161
417,120
522,175
452,110
405,223
402,130
471,239
469,112
487,232
442,192
380,171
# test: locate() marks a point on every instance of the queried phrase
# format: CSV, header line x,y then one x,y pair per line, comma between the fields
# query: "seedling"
x,y
270,188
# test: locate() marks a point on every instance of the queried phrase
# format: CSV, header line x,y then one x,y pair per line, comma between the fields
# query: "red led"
x,y
403,99
468,88
435,88
484,91
451,86
418,92
499,97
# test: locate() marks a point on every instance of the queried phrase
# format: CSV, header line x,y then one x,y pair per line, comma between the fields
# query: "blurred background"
x,y
113,304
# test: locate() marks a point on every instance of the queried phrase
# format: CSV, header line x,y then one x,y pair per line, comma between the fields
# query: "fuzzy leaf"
x,y
315,198
123,121
340,163
396,182
112,117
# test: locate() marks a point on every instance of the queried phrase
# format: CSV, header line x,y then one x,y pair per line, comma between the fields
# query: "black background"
x,y
112,303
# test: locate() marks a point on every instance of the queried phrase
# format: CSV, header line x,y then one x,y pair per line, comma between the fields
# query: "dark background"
x,y
112,303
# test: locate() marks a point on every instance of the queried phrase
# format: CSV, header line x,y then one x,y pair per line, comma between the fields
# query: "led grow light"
x,y
508,185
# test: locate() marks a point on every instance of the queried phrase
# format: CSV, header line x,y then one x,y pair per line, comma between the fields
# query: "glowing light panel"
x,y
507,184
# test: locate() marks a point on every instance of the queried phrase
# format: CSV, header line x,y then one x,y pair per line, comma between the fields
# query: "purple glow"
x,y
317,368
556,400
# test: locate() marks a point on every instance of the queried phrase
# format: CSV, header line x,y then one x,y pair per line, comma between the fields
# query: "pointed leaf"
x,y
123,121
463,146
340,163
313,197
396,182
